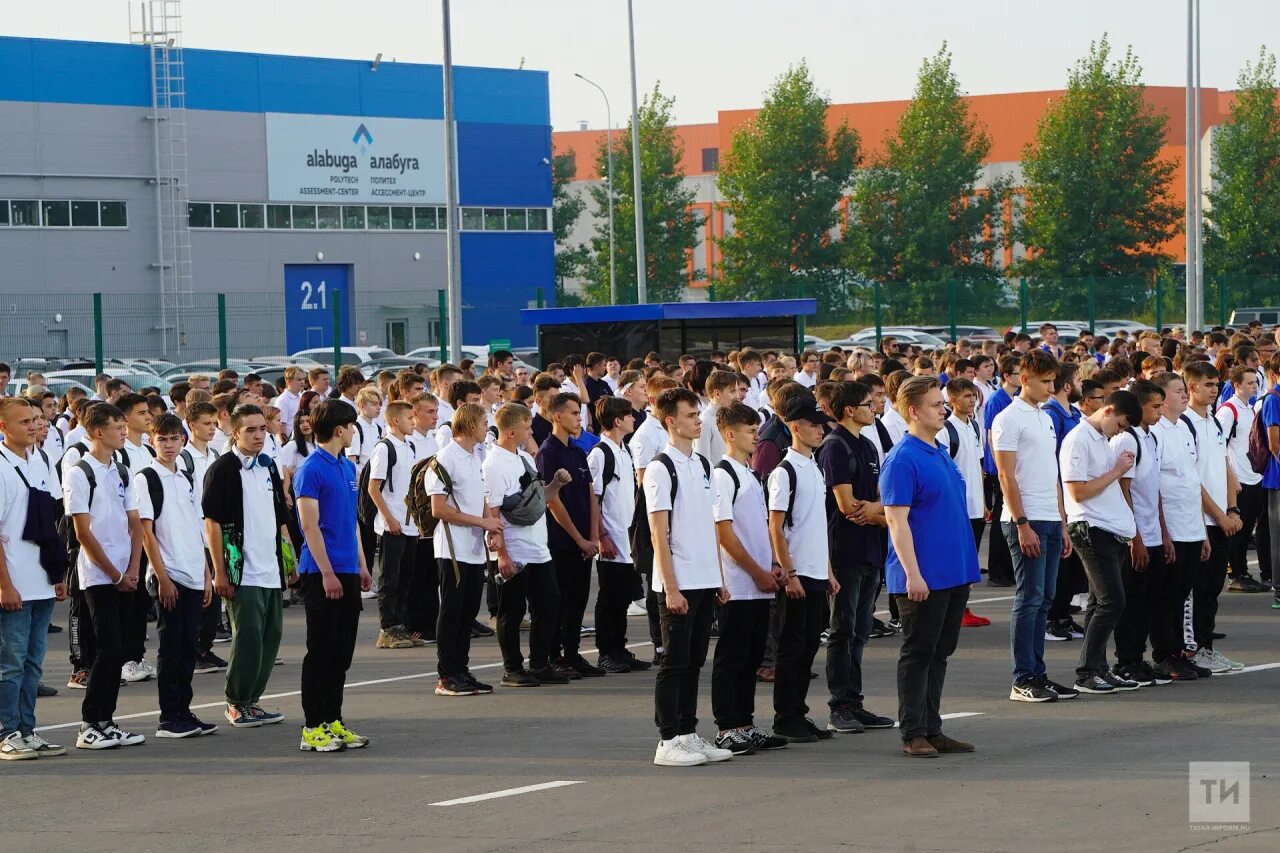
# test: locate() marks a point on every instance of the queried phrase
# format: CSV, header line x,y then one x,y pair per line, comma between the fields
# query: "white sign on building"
x,y
349,159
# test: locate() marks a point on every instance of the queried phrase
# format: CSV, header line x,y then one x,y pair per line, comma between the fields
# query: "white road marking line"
x,y
506,792
971,601
1255,668
958,715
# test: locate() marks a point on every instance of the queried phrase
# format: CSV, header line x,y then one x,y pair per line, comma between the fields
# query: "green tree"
x,y
670,226
1242,220
782,180
922,219
1098,192
566,207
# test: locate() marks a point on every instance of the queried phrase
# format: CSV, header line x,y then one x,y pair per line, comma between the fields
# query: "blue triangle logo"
x,y
363,131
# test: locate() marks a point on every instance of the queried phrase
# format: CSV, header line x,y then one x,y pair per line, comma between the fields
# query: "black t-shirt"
x,y
554,454
848,542
541,429
596,388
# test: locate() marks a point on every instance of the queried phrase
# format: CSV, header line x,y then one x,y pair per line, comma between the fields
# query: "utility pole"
x,y
452,253
642,286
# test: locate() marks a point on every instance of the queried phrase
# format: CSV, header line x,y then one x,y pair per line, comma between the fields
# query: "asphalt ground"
x,y
1095,773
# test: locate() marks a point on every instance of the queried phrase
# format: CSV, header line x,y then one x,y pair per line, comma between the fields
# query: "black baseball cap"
x,y
804,408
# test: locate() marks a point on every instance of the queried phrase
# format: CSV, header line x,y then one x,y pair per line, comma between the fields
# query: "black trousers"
x,y
799,637
999,563
331,641
739,650
103,690
1072,579
179,630
1208,586
395,575
1168,638
685,636
642,553
133,622
930,631
459,604
80,628
1252,501
368,542
619,586
851,620
209,618
573,574
1143,591
1104,557
423,607
536,585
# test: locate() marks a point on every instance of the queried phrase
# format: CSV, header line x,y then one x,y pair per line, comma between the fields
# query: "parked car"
x,y
1244,316
209,367
396,364
867,338
477,353
971,333
1110,327
350,355
58,385
136,378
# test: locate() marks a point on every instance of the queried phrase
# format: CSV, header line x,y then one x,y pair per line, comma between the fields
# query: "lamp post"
x,y
608,113
642,286
452,249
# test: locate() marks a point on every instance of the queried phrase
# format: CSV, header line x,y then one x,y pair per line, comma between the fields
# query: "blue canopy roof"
x,y
668,311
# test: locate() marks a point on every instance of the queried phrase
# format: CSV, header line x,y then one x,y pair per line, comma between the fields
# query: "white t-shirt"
x,y
649,440
692,522
502,470
22,558
78,433
807,534
468,495
290,457
1211,459
396,488
1028,431
1087,455
179,529
1237,445
260,529
750,523
805,379
894,423
1179,481
617,497
968,459
113,500
1144,483
710,442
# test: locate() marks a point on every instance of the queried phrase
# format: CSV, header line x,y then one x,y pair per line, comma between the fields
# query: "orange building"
x,y
1010,120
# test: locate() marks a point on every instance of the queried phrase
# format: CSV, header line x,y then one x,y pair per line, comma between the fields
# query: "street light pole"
x,y
608,113
452,252
642,286
1192,262
1200,322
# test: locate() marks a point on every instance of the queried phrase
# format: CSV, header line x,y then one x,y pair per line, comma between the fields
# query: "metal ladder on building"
x,y
161,32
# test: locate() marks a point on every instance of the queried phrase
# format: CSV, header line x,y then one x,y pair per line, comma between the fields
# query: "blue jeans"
x,y
24,635
1036,578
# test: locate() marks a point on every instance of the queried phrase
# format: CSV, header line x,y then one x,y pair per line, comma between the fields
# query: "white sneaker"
x,y
15,748
677,753
1214,663
134,671
43,748
1222,659
92,737
637,608
149,668
707,748
125,738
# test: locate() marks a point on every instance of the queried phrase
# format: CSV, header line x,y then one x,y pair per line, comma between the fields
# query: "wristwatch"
x,y
1020,520
1234,509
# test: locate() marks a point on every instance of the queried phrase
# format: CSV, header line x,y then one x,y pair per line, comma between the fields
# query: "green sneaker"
x,y
1275,603
319,740
345,736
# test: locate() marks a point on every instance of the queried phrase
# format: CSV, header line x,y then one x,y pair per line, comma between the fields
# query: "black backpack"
x,y
610,471
724,466
366,510
1194,437
791,496
66,524
360,432
670,465
1137,439
83,450
155,489
953,436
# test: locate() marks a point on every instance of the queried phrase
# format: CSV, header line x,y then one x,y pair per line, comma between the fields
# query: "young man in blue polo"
x,y
930,565
333,576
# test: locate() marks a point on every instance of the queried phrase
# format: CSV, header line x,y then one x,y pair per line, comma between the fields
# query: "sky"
x,y
709,54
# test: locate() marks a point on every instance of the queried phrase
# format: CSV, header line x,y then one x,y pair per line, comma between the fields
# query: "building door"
x,y
310,293
57,344
397,333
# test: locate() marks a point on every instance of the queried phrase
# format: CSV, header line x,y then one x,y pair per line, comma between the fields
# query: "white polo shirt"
x,y
710,442
179,530
1144,482
77,433
805,379
1211,459
968,459
290,457
287,402
502,472
53,446
1087,455
396,488
361,447
649,439
1028,431
113,500
220,441
692,522
1179,481
807,535
750,520
200,463
22,558
260,568
468,495
617,497
137,456
1237,446
424,444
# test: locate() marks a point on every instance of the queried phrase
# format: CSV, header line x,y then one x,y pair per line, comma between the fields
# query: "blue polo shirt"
x,y
923,477
998,402
553,455
1064,419
332,483
1271,417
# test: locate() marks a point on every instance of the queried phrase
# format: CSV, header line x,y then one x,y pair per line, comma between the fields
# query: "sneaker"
x,y
148,668
453,686
479,629
209,662
567,671
319,739
55,629
707,748
266,717
973,620
1119,682
549,675
677,753
1205,658
634,662
637,608
388,639
222,635
1222,660
824,636
125,738
843,721
1200,671
658,655
1170,671
614,665
588,630
1056,632
44,691
1134,673
79,680
1063,691
872,721
346,736
1094,684
1031,691
371,593
1275,602
1077,632
894,625
582,666
520,678
1245,583
43,748
880,629
1148,672
763,741
736,741
134,671
795,732
205,728
15,748
414,637
820,734
240,718
479,688
178,729
92,737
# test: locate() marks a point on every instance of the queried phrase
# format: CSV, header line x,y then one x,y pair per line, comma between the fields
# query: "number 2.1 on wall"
x,y
313,297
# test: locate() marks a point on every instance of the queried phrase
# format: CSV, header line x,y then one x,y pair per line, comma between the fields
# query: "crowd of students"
x,y
753,497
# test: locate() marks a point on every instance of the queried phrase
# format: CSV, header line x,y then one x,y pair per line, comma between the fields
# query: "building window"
x,y
304,216
84,214
402,218
252,216
495,219
4,213
572,160
710,159
472,219
329,216
517,219
353,217
537,219
25,213
57,214
113,214
200,214
226,215
379,218
279,216
424,218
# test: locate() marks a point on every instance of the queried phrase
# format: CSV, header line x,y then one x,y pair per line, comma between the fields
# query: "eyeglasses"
x,y
1094,397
